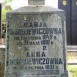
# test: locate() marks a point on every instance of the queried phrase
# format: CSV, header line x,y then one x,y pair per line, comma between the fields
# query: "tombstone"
x,y
2,61
74,21
36,44
65,5
70,6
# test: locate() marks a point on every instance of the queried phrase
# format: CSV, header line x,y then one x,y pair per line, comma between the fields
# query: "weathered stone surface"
x,y
2,62
36,43
36,2
35,10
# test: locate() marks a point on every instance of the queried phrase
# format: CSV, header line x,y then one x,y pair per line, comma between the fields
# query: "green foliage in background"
x,y
73,70
8,0
4,14
5,10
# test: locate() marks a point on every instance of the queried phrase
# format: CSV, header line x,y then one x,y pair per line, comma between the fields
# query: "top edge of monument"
x,y
36,9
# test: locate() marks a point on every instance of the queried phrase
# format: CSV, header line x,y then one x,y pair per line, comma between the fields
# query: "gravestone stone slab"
x,y
66,5
36,2
2,62
36,42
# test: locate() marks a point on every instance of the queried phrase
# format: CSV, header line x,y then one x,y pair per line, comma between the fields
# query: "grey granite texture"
x,y
36,42
2,62
36,2
36,9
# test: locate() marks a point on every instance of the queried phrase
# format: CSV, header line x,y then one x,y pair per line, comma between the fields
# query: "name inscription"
x,y
35,34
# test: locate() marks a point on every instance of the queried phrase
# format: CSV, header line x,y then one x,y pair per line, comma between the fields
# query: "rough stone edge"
x,y
65,74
